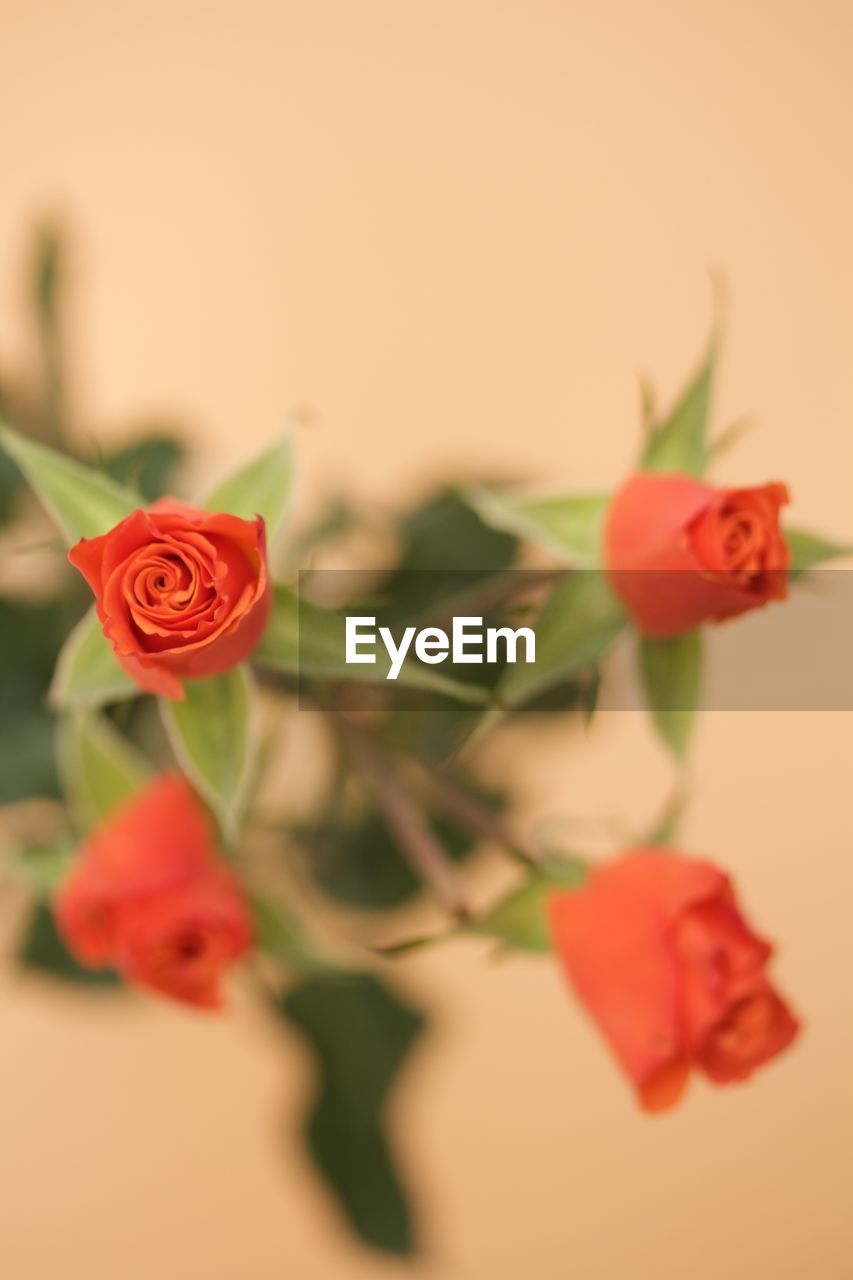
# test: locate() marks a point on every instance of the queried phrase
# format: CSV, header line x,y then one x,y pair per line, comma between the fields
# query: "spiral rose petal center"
x,y
171,586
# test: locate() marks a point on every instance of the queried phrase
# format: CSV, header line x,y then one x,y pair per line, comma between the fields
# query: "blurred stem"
x,y
406,821
476,816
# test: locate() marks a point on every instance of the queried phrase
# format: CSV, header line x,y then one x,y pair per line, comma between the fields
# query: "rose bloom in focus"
x,y
180,593
658,952
680,552
147,896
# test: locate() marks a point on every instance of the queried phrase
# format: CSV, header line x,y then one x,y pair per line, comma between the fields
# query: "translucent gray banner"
x,y
536,640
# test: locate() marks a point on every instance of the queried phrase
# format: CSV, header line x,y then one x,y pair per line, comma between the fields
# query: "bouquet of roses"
x,y
171,653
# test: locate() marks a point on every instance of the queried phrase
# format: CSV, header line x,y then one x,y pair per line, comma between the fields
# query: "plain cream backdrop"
x,y
456,232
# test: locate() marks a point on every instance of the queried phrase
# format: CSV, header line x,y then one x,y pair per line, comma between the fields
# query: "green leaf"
x,y
578,624
360,1034
810,549
568,527
10,486
447,554
664,828
212,736
577,694
519,920
48,274
304,639
99,768
48,279
146,465
726,440
671,672
83,502
433,733
679,443
42,950
354,857
27,763
279,645
88,673
444,533
42,867
30,637
263,487
281,935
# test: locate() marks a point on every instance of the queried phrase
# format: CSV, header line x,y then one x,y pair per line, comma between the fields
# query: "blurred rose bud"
x,y
658,952
147,896
180,593
680,552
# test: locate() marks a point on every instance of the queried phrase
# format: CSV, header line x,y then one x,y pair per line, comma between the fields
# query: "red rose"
x,y
147,896
680,552
659,953
180,593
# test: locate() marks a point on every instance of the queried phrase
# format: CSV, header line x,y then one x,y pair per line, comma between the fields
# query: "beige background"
x,y
456,231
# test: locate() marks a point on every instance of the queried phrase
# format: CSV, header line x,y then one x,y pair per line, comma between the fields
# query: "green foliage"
x,y
282,936
519,920
304,639
456,554
30,636
356,860
671,672
99,768
88,673
447,552
580,693
567,526
214,741
48,270
577,625
146,465
279,646
808,550
81,501
10,486
26,757
47,289
680,441
41,950
42,867
443,533
360,1034
434,733
664,828
262,487
724,441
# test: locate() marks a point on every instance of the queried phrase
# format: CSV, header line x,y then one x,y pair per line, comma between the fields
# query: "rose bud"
x,y
658,952
148,897
679,552
180,593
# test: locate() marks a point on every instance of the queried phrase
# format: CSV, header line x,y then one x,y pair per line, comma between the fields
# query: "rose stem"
x,y
476,816
422,850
